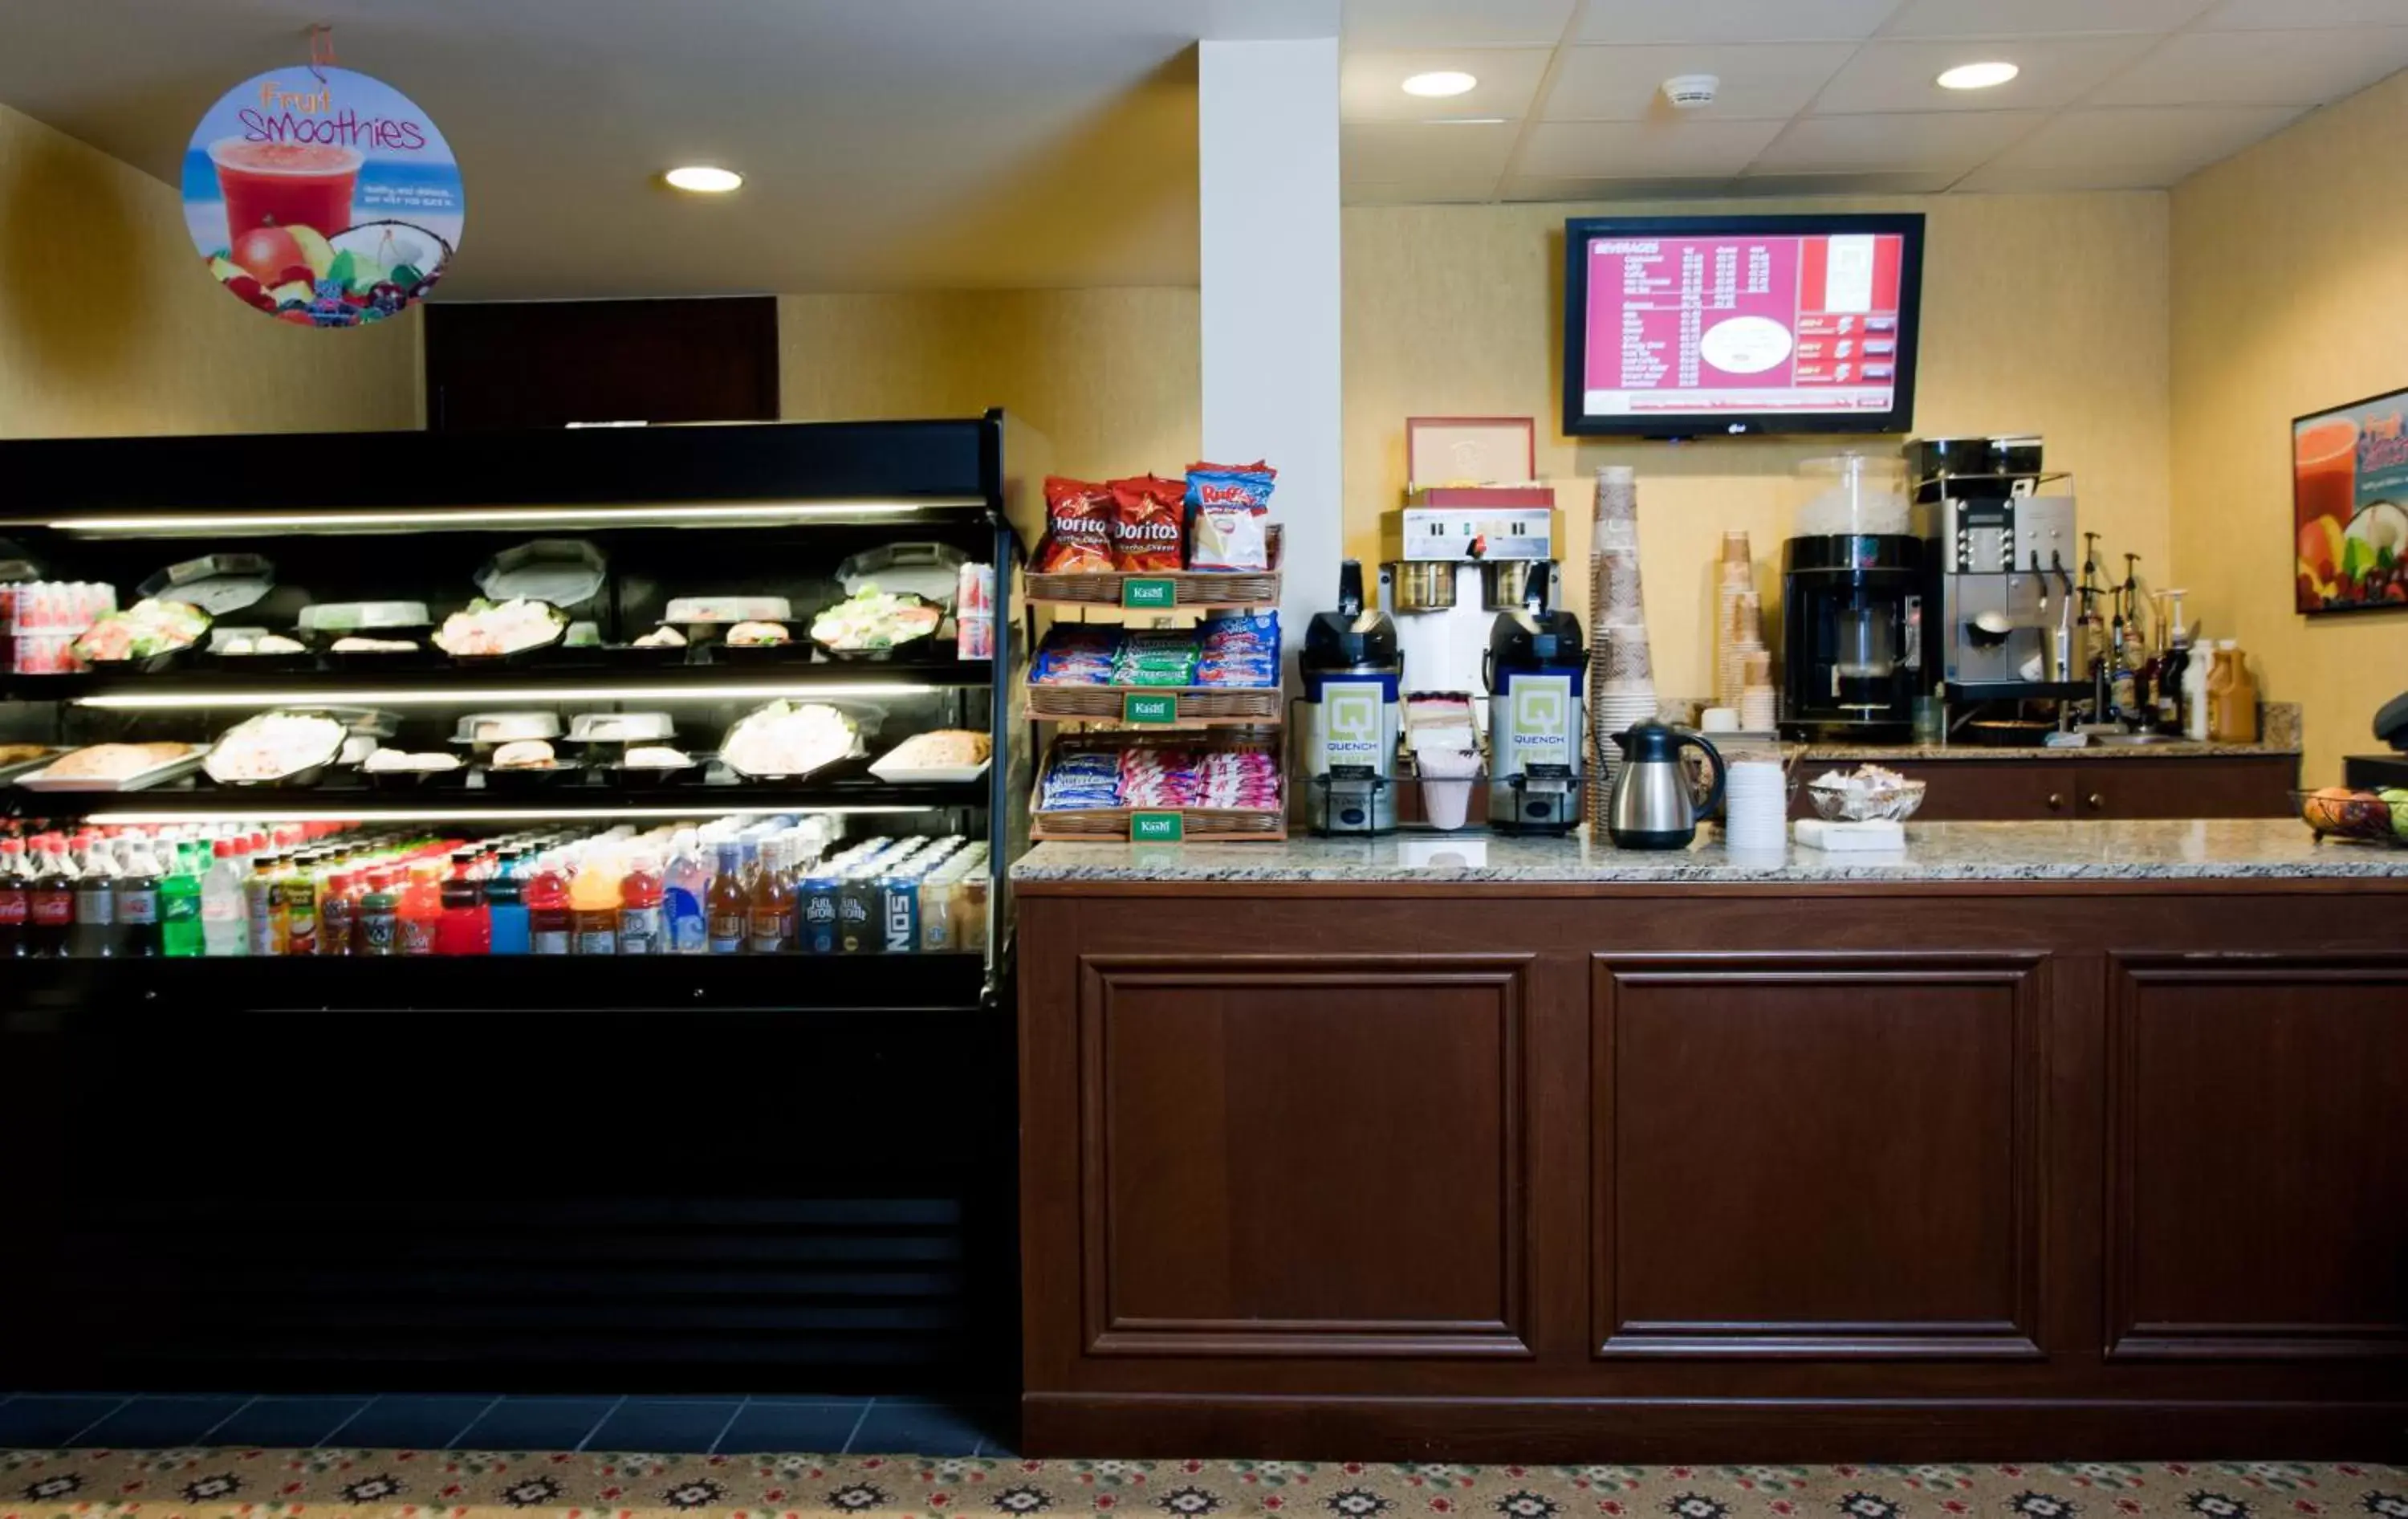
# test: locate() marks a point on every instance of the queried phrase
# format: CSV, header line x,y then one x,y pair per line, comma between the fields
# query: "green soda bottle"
x,y
179,904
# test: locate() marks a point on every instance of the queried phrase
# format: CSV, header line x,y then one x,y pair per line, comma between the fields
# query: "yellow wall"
x,y
1111,377
2045,314
2288,270
109,327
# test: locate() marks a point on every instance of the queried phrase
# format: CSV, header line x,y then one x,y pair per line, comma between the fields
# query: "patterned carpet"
x,y
409,1485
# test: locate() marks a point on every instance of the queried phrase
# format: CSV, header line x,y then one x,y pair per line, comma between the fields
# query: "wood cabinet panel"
x,y
2177,788
2260,1162
1312,1157
1816,1154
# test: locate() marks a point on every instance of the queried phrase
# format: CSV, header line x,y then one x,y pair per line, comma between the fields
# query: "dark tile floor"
x,y
409,1421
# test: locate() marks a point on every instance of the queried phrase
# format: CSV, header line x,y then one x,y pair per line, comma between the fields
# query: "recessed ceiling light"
x,y
1978,76
1445,82
704,180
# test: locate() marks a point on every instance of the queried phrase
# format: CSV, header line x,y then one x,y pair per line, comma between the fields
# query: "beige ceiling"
x,y
1835,96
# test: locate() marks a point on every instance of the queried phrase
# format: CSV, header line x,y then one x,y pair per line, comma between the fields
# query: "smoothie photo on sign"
x,y
2349,508
322,197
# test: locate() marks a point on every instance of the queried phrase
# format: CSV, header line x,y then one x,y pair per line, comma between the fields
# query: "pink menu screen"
x,y
1738,324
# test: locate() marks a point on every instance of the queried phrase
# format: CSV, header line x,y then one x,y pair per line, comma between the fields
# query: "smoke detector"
x,y
1691,92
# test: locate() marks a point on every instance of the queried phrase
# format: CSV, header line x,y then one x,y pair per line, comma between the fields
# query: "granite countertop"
x,y
2256,849
1901,753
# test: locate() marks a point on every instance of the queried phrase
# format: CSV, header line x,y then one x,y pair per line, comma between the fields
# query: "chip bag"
x,y
1229,509
1149,524
1078,528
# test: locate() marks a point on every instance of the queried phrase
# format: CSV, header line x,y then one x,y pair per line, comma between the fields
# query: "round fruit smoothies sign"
x,y
322,197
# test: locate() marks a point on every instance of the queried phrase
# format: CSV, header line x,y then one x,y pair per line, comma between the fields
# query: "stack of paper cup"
x,y
1759,709
1622,667
1737,627
1755,806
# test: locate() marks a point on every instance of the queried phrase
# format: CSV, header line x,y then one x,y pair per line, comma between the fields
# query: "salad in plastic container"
x,y
501,629
873,624
148,634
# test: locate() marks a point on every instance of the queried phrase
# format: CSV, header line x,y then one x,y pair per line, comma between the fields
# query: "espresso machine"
x,y
1447,570
1999,558
1853,590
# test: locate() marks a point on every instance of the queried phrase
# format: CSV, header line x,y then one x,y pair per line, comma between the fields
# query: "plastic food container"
x,y
565,572
713,611
317,742
334,618
559,621
217,583
488,728
929,570
622,728
219,653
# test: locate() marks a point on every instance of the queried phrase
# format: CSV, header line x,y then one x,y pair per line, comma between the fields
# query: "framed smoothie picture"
x,y
2349,505
322,197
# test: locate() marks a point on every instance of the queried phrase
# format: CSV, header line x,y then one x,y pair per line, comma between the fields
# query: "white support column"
x,y
1267,162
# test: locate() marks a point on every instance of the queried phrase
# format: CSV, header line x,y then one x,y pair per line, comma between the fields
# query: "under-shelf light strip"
x,y
703,806
506,516
746,691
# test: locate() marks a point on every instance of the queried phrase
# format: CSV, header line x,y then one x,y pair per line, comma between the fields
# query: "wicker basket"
x,y
1191,590
1198,825
1202,705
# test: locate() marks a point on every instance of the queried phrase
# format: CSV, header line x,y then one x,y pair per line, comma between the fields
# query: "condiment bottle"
x,y
728,906
379,915
2232,695
549,922
463,929
594,903
421,914
640,899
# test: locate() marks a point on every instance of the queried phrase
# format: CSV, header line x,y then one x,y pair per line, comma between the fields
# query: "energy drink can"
x,y
817,931
899,902
859,915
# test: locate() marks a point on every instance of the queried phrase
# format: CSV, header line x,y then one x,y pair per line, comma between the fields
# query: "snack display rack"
x,y
1232,717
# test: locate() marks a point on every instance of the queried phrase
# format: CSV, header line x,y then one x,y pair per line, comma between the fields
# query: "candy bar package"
x,y
1229,509
1239,650
1156,657
1078,528
1149,528
1076,655
1082,780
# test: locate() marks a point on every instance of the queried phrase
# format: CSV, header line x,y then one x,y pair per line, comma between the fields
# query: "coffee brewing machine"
x,y
1852,592
2005,619
1446,571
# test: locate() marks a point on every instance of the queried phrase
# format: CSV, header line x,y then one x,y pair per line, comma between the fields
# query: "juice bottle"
x,y
50,903
338,914
94,935
421,912
259,906
593,904
726,907
549,924
688,887
772,926
298,887
16,900
506,912
379,915
465,928
180,904
642,920
223,920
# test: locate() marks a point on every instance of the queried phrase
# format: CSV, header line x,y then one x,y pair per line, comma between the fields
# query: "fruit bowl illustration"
x,y
360,275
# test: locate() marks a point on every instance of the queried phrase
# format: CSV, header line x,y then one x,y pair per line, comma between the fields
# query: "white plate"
x,y
173,769
943,774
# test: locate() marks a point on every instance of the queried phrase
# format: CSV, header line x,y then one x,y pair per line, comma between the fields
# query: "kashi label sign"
x,y
322,197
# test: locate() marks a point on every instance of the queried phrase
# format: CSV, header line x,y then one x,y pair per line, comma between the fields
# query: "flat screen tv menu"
x,y
1741,324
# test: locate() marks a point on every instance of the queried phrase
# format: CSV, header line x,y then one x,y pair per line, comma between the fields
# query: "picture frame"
x,y
2349,508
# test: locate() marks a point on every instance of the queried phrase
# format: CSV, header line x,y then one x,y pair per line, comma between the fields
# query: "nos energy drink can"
x,y
899,901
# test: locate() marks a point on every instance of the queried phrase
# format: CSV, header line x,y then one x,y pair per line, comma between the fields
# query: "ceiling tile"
x,y
1544,187
2260,69
2175,140
1733,21
1643,150
2034,18
1805,185
1762,81
2283,15
1900,76
1398,151
2009,180
1438,190
1930,141
1371,85
1452,23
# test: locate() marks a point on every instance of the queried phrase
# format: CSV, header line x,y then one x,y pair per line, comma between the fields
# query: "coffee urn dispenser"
x,y
1350,670
1536,675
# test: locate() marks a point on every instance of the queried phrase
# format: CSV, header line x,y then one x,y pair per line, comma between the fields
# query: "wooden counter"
x,y
2065,1140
